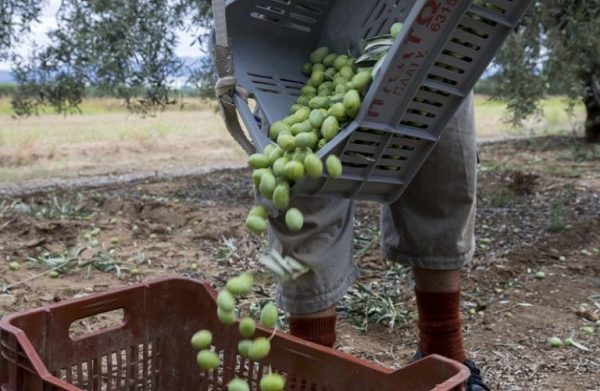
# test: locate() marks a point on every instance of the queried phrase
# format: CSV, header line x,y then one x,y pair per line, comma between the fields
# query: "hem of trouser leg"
x,y
307,305
430,262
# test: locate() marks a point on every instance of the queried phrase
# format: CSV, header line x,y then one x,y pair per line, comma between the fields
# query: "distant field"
x,y
106,138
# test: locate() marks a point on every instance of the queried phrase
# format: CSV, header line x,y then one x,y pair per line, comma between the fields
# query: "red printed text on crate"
x,y
415,49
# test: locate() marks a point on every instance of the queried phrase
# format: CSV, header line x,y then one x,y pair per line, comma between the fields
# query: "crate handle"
x,y
132,304
258,135
112,325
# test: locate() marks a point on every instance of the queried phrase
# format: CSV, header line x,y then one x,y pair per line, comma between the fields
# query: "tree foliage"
x,y
555,48
126,48
15,18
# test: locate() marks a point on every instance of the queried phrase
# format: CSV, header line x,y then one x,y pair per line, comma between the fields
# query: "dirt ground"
x,y
539,211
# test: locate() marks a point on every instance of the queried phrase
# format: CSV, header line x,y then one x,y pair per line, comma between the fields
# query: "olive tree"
x,y
555,48
123,48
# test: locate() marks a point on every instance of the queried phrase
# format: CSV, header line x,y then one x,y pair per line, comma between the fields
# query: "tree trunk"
x,y
592,106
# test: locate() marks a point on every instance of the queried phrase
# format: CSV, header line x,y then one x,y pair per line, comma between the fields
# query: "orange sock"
x,y
319,330
439,324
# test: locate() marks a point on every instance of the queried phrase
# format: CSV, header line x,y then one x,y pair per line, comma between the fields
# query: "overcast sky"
x,y
48,22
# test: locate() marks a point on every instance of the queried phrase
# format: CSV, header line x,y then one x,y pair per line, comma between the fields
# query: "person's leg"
x,y
431,228
438,303
325,245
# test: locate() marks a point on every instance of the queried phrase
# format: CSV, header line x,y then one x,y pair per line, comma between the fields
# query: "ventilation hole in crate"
x,y
298,82
381,10
458,56
466,44
372,22
298,27
80,374
270,8
481,19
449,67
293,87
421,113
258,75
284,2
414,124
434,91
382,30
263,17
365,142
490,6
368,15
418,99
357,159
442,79
395,157
303,18
269,91
264,83
374,132
470,30
61,374
402,146
308,8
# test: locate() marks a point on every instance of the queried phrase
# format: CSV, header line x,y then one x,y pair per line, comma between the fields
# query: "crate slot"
x,y
284,2
270,8
268,90
309,8
372,19
264,17
420,113
490,6
354,161
425,104
296,26
413,124
466,44
405,143
382,27
367,150
435,91
444,76
481,15
443,88
259,76
368,15
449,67
441,79
297,82
264,83
392,163
417,118
474,27
303,18
473,39
454,55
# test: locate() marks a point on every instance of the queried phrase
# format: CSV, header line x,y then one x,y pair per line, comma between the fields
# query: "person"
x,y
430,228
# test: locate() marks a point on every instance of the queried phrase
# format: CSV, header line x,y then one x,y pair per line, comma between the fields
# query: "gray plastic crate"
x,y
441,52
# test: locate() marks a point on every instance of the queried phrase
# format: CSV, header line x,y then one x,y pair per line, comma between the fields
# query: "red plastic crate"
x,y
150,349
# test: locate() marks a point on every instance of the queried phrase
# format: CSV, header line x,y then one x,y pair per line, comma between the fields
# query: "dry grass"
x,y
491,119
118,142
108,139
